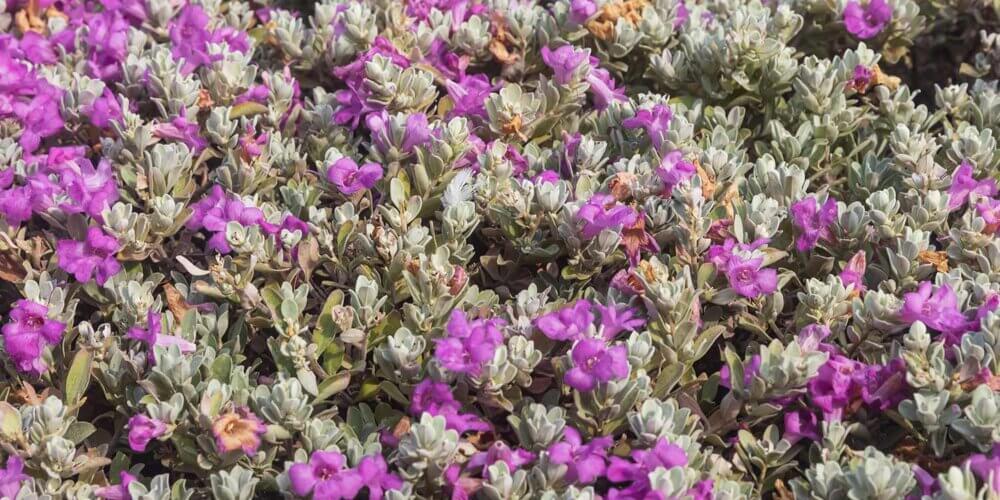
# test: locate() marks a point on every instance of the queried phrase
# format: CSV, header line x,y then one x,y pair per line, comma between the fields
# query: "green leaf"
x,y
78,377
78,431
333,385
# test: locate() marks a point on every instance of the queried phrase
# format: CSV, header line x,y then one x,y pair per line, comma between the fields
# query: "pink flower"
x,y
593,362
585,462
963,185
853,274
567,323
142,430
868,21
349,178
812,221
29,331
93,257
468,345
674,171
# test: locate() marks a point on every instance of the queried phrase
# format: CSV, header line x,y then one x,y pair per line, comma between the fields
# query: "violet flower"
x,y
853,274
415,134
568,323
585,462
868,21
468,345
142,430
749,371
833,387
566,62
989,211
92,258
323,467
179,129
615,319
963,185
674,171
373,473
216,210
602,212
435,398
594,362
987,468
468,96
12,477
742,266
349,178
812,221
801,424
938,309
152,337
636,472
581,10
603,89
92,190
515,458
28,333
655,121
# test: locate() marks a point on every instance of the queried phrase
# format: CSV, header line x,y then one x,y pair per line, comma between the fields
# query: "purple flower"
x,y
436,399
989,211
674,170
142,430
29,331
615,320
92,190
812,221
373,473
868,21
349,178
40,118
546,177
468,344
938,310
567,62
704,489
925,481
567,323
742,266
581,10
801,424
655,121
468,96
323,466
602,212
104,111
93,257
118,491
515,458
585,462
415,134
663,454
812,336
883,387
862,78
179,129
216,210
602,87
12,477
987,468
593,362
853,274
833,387
963,185
37,49
152,336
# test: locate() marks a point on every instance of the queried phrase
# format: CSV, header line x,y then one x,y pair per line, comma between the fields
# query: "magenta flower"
x,y
567,323
655,121
603,89
324,467
938,310
801,424
349,178
811,338
12,477
468,345
862,78
833,387
546,177
179,129
812,221
416,133
581,10
674,171
742,266
567,63
987,468
593,362
615,320
636,471
585,462
215,211
152,336
373,474
29,331
868,21
117,491
963,185
468,96
142,430
515,458
989,211
92,190
93,257
883,387
436,399
853,274
602,212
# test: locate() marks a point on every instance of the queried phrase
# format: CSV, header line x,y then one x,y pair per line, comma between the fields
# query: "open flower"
x,y
12,477
594,362
27,334
468,344
585,462
868,21
142,430
655,121
349,178
238,429
567,323
964,185
602,212
674,171
812,221
152,336
436,399
93,257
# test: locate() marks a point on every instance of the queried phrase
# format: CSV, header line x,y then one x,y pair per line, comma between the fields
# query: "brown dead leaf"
x,y
175,301
11,268
938,259
707,181
603,26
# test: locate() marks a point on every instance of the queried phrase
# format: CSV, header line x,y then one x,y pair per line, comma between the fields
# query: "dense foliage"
x,y
499,249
